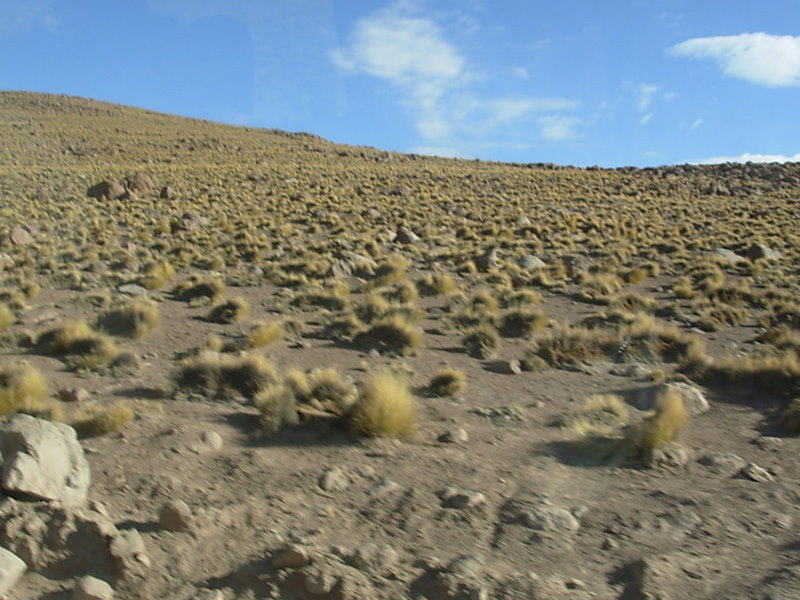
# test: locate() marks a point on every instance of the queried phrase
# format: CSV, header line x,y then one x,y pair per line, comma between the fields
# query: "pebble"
x,y
175,516
755,473
334,480
91,588
453,497
454,436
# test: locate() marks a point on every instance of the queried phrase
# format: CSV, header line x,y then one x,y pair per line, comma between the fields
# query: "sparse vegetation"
x,y
385,407
135,319
93,420
23,388
447,382
230,311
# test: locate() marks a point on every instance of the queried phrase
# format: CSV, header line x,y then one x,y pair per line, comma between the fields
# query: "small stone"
x,y
128,551
769,442
378,558
132,289
12,567
671,455
73,395
755,473
454,436
385,488
334,480
91,588
506,367
546,517
453,497
208,441
291,557
723,463
21,235
175,516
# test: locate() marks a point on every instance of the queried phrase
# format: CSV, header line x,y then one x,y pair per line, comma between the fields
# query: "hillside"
x,y
362,374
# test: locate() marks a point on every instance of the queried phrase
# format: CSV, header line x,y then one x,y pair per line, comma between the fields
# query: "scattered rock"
x,y
175,516
139,182
769,443
106,190
406,236
73,395
760,251
723,463
693,397
6,262
529,262
541,515
453,497
671,455
291,557
44,460
636,370
454,436
12,567
725,255
506,367
132,289
488,260
672,576
128,552
21,235
374,558
91,588
755,473
208,441
166,193
334,480
327,579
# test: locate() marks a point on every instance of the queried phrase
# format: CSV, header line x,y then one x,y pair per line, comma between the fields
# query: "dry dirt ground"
x,y
506,507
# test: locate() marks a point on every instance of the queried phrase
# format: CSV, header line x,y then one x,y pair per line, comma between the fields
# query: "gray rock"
x,y
529,262
406,236
106,190
12,567
208,441
506,367
453,497
725,255
294,556
175,516
755,473
454,436
488,260
671,455
723,463
552,519
375,558
132,289
761,251
91,588
43,460
128,553
334,480
73,395
21,235
674,576
693,397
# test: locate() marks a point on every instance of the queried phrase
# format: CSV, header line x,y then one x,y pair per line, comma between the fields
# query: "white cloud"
x,y
19,16
442,151
558,128
644,95
696,123
747,157
761,58
645,118
437,83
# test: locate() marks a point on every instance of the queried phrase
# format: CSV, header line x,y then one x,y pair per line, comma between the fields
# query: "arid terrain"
x,y
300,370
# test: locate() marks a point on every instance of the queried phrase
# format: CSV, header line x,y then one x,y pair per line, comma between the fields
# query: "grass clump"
x,y
435,284
277,406
264,333
231,311
85,348
134,319
224,376
601,415
521,322
482,342
447,382
23,388
391,270
394,335
663,425
97,420
196,288
385,407
7,318
156,275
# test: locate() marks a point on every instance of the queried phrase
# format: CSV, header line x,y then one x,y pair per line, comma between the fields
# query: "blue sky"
x,y
583,82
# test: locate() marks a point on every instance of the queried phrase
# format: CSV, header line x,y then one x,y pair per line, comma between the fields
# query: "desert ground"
x,y
300,370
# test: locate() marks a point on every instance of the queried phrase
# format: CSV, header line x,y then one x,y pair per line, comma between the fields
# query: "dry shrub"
x,y
482,342
521,322
264,333
663,426
7,318
95,420
391,270
277,406
601,415
231,311
224,376
23,388
194,288
394,335
156,275
434,284
385,407
714,317
329,390
521,298
447,382
135,319
775,374
85,348
318,297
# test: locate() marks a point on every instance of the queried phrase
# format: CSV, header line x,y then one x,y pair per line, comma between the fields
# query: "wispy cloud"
x,y
644,95
437,83
747,157
761,58
20,17
558,128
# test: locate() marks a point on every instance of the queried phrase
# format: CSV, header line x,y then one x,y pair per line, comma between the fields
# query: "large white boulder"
x,y
43,460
